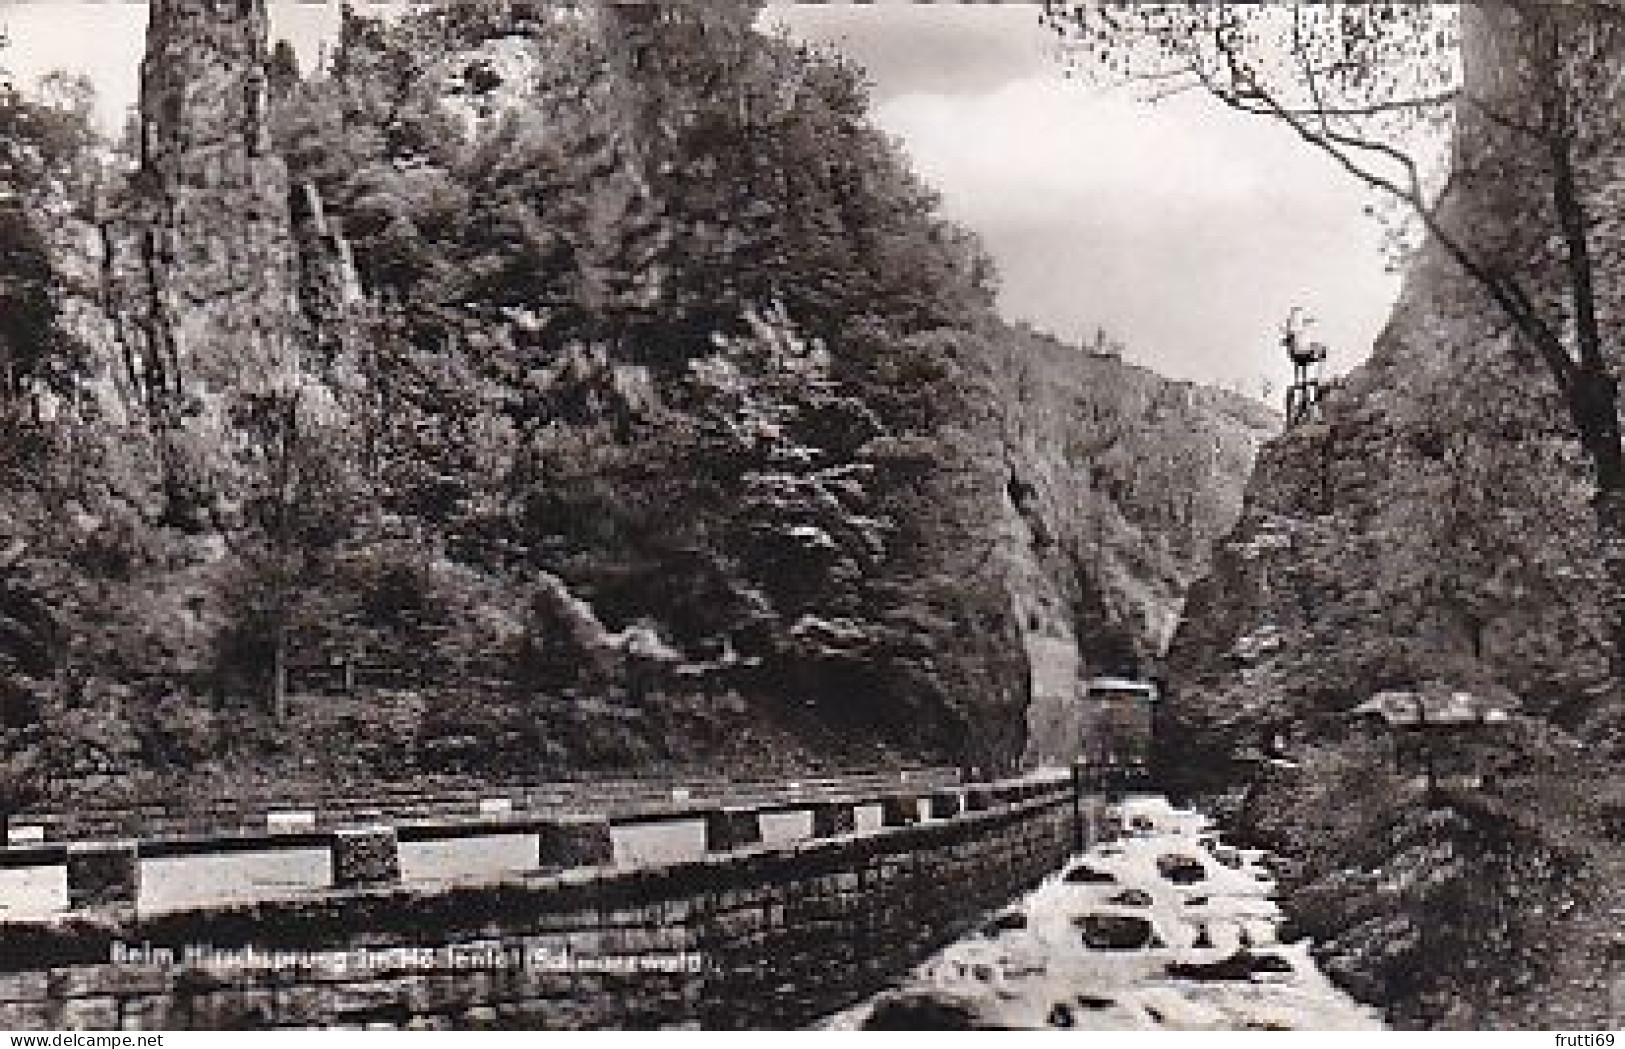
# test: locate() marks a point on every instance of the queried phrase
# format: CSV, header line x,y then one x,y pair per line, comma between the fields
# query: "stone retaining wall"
x,y
758,937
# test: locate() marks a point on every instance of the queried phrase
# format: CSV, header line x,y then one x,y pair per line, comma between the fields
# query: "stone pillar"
x,y
1008,794
732,828
899,810
833,818
944,804
365,856
103,874
575,841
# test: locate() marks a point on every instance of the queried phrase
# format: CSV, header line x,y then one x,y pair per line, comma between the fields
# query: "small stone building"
x,y
1437,732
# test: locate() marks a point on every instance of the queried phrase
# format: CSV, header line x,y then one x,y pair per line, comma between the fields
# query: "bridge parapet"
x,y
610,797
760,935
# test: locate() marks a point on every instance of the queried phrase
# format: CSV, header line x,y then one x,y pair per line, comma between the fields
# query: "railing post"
x,y
833,818
727,829
365,856
103,874
575,841
899,810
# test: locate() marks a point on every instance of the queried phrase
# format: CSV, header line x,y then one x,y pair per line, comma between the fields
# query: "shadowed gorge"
x,y
1435,532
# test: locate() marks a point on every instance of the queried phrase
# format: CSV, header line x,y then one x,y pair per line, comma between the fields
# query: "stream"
x,y
1165,928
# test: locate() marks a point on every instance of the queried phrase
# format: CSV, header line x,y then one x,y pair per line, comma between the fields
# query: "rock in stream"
x,y
1166,928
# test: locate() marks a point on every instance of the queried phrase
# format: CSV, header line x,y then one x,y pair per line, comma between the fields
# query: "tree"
x,y
27,668
300,499
282,71
1520,201
46,168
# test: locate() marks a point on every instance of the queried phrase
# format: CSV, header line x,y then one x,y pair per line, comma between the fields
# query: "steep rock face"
x,y
200,256
215,304
1115,484
1433,525
1046,532
219,250
1430,526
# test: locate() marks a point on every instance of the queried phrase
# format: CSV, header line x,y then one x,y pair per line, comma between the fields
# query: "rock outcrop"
x,y
1116,483
1431,526
1059,520
217,294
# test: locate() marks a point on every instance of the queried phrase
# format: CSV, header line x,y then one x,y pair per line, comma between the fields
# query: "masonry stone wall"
x,y
762,937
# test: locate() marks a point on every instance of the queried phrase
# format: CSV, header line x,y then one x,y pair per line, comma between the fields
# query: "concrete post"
x,y
365,856
103,874
899,810
944,804
575,841
728,829
833,818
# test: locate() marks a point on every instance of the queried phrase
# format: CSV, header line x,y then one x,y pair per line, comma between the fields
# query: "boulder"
x,y
1132,898
1006,922
922,1011
1117,932
1181,870
1084,874
1243,965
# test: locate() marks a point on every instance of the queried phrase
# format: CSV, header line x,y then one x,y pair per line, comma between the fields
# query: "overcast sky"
x,y
1185,230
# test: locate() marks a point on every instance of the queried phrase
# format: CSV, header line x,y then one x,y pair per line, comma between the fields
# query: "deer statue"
x,y
1303,395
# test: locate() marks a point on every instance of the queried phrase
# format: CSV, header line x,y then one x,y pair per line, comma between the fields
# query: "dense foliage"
x,y
644,410
624,430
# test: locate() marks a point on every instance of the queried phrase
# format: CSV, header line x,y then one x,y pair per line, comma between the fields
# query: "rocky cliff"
x,y
466,359
1433,530
1116,483
1433,524
207,293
